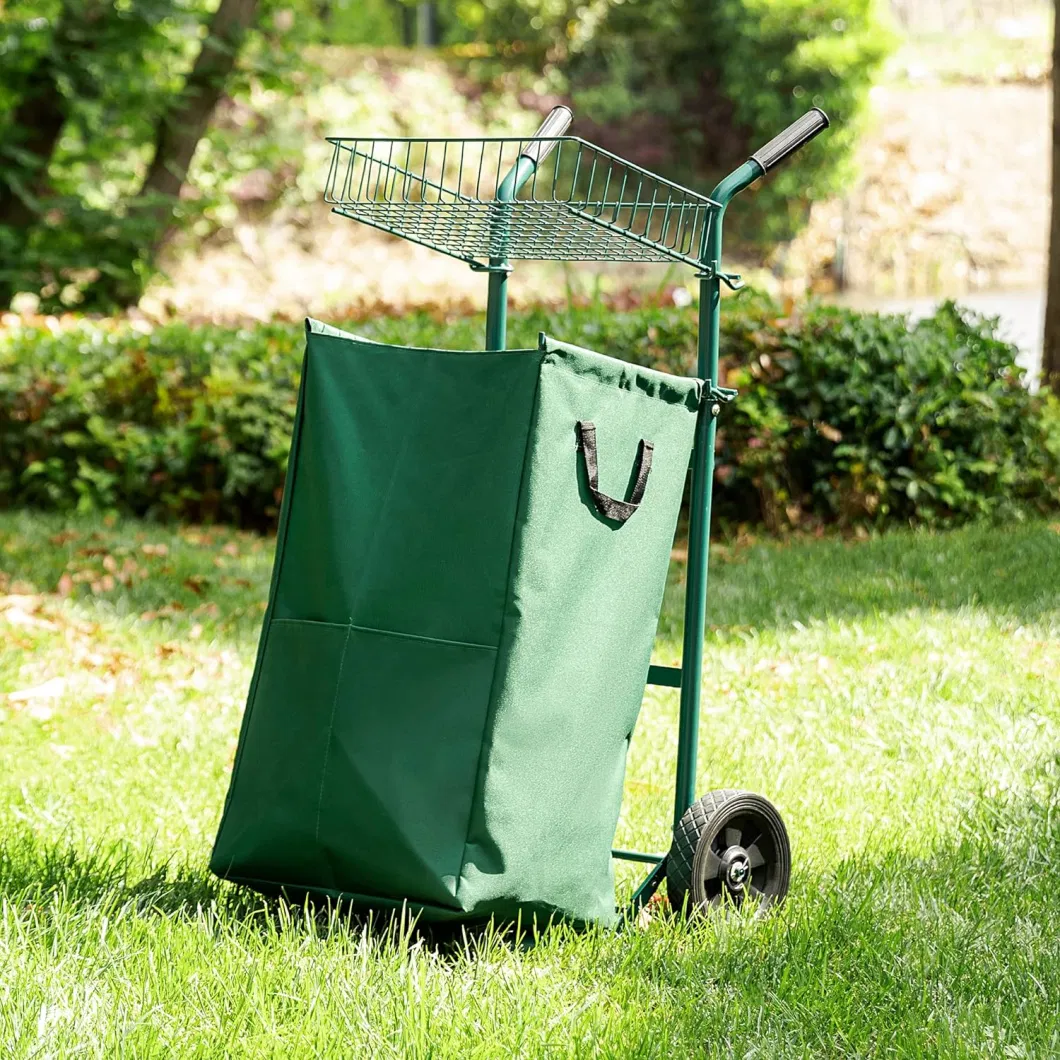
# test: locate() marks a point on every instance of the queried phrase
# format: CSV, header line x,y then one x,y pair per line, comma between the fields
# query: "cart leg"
x,y
647,889
695,614
702,488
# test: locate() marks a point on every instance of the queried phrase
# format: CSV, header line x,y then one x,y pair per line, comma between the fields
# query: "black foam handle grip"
x,y
799,133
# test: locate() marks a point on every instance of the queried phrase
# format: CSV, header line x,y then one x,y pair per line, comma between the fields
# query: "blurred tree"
x,y
100,116
692,87
102,102
1051,343
183,122
55,78
376,23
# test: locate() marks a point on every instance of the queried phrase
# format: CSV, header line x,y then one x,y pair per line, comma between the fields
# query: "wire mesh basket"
x,y
579,204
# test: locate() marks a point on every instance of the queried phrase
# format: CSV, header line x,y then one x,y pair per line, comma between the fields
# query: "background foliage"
x,y
842,418
701,84
685,86
691,87
84,87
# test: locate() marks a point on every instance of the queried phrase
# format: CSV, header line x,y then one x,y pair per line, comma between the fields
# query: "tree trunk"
x,y
1051,343
176,138
42,110
408,25
184,123
37,124
426,35
38,121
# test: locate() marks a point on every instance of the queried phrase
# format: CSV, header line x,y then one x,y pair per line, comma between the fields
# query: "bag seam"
x,y
353,626
331,732
333,332
698,397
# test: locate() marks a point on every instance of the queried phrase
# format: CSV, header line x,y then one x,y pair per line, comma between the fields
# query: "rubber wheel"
x,y
729,847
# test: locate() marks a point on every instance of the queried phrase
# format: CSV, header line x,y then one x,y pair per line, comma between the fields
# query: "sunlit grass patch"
x,y
897,698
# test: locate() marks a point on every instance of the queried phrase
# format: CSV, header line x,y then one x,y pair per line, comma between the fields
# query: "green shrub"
x,y
861,419
842,417
689,88
191,423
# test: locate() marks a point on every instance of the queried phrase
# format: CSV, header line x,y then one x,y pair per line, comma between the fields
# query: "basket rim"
x,y
703,200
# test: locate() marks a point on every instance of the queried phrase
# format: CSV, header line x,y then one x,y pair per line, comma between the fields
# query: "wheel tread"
x,y
686,838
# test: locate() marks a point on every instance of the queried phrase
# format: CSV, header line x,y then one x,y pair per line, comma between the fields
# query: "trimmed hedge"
x,y
860,419
848,418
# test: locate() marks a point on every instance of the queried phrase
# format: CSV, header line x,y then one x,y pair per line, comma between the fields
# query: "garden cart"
x,y
470,564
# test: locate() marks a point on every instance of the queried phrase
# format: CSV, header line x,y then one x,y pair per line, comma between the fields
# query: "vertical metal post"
x,y
702,483
531,154
497,299
497,306
698,543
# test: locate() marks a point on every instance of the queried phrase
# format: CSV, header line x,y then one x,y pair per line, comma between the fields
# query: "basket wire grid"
x,y
580,204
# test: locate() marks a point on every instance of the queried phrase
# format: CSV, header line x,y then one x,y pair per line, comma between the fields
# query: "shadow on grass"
x,y
980,906
174,577
951,953
33,872
41,876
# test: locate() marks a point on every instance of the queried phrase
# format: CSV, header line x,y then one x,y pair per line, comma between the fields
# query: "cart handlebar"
x,y
799,133
556,124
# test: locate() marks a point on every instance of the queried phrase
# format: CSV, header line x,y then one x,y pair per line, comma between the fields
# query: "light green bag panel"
x,y
584,603
456,643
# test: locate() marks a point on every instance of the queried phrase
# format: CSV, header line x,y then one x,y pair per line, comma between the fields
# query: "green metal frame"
x,y
449,195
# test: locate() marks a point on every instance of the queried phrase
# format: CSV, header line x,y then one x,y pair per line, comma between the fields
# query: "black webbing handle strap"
x,y
608,507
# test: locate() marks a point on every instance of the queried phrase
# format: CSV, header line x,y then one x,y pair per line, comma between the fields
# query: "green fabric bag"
x,y
460,622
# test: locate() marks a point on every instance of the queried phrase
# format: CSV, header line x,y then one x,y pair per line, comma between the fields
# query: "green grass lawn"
x,y
899,699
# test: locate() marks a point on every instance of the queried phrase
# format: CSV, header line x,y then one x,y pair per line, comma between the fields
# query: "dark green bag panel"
x,y
408,461
457,638
389,589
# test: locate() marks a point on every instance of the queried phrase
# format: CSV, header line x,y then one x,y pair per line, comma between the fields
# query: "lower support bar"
x,y
633,855
666,676
647,889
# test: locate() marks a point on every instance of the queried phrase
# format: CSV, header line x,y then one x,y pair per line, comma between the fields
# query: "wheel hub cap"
x,y
735,869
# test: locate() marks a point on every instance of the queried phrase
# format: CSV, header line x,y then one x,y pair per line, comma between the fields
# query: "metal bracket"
x,y
644,892
477,266
712,269
718,396
664,676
